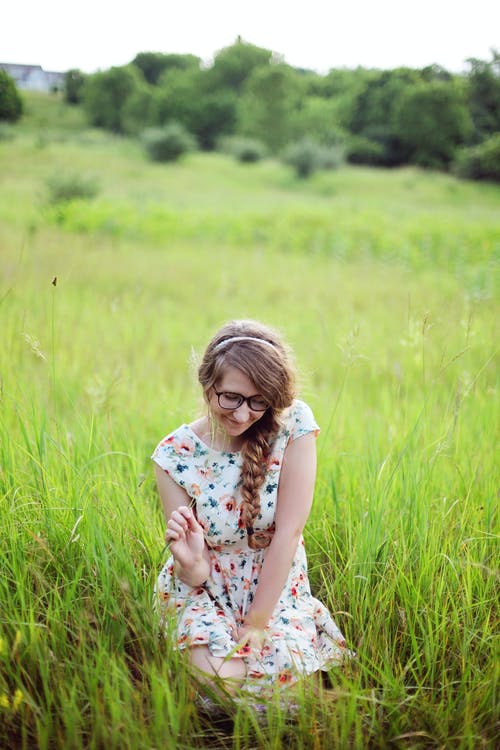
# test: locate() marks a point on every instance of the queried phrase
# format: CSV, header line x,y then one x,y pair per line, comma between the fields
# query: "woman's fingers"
x,y
181,521
185,517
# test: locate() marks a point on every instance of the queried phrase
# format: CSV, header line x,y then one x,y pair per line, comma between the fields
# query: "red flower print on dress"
x,y
273,463
285,677
184,447
244,650
206,473
167,440
229,502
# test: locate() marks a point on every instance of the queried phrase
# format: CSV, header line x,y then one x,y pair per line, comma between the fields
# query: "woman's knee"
x,y
202,659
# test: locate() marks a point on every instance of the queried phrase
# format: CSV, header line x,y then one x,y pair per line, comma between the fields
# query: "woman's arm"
x,y
295,495
184,533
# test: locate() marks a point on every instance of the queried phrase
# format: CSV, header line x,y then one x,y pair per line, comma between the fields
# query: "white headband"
x,y
243,338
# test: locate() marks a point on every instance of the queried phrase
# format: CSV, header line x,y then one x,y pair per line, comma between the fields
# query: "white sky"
x,y
316,34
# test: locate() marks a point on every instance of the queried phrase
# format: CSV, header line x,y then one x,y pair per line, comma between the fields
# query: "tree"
x,y
317,117
373,114
74,82
267,106
186,98
484,96
432,120
343,87
11,104
233,65
480,162
435,73
106,93
138,110
153,64
216,117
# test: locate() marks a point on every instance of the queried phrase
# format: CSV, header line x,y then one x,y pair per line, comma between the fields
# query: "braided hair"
x,y
260,354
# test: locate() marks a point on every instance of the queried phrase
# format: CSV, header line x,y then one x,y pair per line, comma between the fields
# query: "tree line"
x,y
426,117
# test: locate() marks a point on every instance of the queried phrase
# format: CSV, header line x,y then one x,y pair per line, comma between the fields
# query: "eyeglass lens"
x,y
234,400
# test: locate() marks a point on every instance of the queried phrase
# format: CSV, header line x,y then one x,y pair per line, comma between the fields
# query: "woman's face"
x,y
234,422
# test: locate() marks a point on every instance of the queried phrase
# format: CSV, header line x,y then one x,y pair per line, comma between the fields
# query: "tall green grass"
x,y
386,285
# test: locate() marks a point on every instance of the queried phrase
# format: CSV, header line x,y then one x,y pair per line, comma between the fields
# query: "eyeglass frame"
x,y
244,399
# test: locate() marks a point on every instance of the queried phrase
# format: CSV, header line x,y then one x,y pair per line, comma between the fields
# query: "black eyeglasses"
x,y
228,400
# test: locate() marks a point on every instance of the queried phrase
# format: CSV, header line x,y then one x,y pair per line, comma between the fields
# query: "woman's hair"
x,y
261,355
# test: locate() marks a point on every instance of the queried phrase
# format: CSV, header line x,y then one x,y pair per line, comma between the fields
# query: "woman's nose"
x,y
242,413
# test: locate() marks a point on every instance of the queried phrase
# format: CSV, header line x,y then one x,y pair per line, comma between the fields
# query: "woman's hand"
x,y
251,636
185,536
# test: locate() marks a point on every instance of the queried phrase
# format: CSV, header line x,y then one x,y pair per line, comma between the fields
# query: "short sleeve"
x,y
177,454
302,420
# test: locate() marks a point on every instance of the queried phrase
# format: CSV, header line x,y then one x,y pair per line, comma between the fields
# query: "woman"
x,y
236,487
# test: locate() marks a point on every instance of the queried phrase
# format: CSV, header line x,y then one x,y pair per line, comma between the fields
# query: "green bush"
x,y
167,143
11,104
361,150
304,156
331,157
249,151
67,187
481,162
246,150
74,82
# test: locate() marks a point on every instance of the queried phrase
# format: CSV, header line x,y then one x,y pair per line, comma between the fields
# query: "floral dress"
x,y
302,636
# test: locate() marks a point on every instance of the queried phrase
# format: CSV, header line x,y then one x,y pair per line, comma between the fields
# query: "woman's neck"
x,y
213,435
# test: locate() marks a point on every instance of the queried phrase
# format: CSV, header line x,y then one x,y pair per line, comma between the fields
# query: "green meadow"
x,y
386,285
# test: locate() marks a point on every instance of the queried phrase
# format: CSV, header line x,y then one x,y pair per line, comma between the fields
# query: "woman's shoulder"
x,y
181,443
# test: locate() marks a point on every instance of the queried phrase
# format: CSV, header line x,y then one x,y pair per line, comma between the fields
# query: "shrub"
x,y
249,150
481,162
304,156
361,150
11,104
167,143
246,150
331,157
74,81
68,187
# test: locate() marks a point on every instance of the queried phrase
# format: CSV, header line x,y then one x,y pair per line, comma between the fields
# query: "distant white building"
x,y
33,77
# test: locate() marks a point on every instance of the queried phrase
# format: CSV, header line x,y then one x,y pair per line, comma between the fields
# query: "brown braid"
x,y
255,453
270,368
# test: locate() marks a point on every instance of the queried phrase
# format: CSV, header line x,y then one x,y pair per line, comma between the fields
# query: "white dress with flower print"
x,y
302,636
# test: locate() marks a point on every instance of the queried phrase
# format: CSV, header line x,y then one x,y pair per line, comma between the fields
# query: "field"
x,y
386,285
